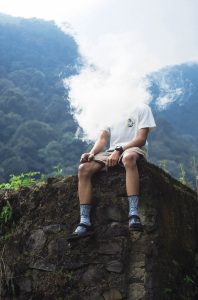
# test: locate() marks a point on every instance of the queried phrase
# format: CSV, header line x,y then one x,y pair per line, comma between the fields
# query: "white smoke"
x,y
111,84
129,41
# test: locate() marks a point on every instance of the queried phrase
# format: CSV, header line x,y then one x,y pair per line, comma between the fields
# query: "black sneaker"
x,y
135,223
79,235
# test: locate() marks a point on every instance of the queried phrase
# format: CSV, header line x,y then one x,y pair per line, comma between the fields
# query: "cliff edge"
x,y
159,263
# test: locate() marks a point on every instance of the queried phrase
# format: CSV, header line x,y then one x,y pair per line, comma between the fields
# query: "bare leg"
x,y
132,175
85,173
132,186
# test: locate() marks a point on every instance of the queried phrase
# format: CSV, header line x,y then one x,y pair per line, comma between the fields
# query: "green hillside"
x,y
175,143
37,131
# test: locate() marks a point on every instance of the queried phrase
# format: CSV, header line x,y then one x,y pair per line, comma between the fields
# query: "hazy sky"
x,y
124,40
69,10
167,27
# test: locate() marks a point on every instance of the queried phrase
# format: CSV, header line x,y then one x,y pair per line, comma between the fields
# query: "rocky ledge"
x,y
159,263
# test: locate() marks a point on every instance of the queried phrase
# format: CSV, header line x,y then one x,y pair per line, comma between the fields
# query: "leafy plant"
x,y
194,169
6,212
58,170
182,174
24,179
188,280
163,165
6,237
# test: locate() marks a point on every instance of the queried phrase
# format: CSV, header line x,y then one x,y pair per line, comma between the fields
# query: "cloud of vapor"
x,y
138,38
110,86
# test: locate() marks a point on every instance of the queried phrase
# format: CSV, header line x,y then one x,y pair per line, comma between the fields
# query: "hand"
x,y
112,160
86,157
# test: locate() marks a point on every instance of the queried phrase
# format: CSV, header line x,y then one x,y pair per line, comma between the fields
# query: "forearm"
x,y
139,140
98,147
100,143
136,142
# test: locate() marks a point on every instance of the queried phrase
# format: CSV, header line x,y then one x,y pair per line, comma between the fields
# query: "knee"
x,y
129,160
84,170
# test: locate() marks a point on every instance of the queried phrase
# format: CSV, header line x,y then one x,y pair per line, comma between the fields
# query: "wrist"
x,y
119,149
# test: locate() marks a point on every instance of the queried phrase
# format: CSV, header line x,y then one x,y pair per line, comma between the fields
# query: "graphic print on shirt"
x,y
130,122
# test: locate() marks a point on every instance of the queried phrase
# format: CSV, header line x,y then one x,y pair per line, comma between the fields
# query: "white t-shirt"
x,y
126,130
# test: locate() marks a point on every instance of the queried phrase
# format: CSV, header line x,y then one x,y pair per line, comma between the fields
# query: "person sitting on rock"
x,y
128,143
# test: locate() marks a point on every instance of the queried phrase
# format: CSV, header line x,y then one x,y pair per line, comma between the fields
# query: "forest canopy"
x,y
37,130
